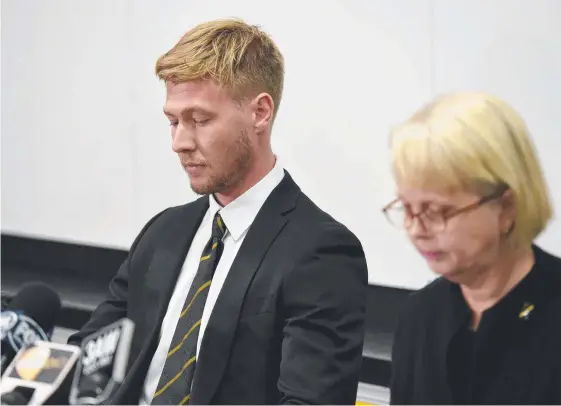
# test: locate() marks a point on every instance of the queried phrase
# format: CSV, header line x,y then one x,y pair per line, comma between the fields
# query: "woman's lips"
x,y
431,255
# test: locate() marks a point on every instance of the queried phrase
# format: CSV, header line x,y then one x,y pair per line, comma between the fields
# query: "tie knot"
x,y
218,227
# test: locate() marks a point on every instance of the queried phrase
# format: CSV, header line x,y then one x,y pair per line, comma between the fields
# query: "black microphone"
x,y
29,316
36,372
102,367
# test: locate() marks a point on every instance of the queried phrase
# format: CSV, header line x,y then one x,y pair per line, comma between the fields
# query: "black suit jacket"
x,y
515,359
288,325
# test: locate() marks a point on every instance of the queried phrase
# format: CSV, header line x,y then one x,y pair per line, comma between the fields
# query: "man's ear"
x,y
262,110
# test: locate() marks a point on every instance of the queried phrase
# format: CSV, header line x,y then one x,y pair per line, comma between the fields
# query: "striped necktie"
x,y
174,387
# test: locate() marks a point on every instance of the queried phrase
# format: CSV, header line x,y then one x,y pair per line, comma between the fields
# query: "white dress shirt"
x,y
237,216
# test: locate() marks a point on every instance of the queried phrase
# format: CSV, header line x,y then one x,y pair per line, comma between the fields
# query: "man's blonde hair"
x,y
476,142
240,57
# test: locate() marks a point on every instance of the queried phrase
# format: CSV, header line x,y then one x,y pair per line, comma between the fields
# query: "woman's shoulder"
x,y
422,303
548,264
548,279
548,283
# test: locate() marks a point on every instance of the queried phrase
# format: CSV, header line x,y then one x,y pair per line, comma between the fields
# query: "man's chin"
x,y
197,186
204,188
201,190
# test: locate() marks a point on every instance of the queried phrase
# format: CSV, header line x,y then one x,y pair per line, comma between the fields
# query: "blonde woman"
x,y
472,198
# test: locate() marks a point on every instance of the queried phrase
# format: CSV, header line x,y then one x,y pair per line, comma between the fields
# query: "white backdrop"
x,y
86,152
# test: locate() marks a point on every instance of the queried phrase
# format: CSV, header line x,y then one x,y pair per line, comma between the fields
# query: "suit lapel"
x,y
172,250
219,333
160,278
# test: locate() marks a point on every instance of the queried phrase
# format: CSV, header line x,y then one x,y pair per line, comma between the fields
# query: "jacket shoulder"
x,y
550,265
308,214
422,303
549,286
174,214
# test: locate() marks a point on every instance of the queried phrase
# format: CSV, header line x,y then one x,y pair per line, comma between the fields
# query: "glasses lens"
x,y
433,220
396,216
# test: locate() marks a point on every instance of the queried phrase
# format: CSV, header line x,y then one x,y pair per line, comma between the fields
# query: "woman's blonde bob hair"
x,y
474,142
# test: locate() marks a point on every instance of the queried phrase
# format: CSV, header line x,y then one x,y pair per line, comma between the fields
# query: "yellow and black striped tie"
x,y
174,387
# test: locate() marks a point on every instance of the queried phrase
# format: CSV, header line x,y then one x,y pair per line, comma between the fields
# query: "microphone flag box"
x,y
17,331
41,367
102,367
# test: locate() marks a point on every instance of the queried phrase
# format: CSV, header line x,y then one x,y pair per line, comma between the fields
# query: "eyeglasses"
x,y
401,216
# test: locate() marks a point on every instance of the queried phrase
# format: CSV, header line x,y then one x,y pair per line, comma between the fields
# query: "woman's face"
x,y
456,246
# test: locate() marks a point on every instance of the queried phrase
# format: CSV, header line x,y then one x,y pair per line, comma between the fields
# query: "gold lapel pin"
x,y
526,310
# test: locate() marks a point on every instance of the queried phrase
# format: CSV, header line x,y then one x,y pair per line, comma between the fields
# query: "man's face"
x,y
210,133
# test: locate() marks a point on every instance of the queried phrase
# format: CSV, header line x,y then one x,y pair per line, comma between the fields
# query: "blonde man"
x,y
250,294
472,199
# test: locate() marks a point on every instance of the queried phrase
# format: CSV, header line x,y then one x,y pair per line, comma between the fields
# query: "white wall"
x,y
86,151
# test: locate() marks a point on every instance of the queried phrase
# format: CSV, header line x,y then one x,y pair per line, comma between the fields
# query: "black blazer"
x,y
289,323
516,356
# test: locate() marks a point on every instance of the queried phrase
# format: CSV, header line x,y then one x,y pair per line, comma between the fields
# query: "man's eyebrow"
x,y
187,110
168,112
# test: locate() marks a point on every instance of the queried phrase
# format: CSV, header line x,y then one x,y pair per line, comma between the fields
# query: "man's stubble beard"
x,y
234,173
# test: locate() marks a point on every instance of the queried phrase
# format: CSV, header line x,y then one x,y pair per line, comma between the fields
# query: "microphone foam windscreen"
x,y
39,302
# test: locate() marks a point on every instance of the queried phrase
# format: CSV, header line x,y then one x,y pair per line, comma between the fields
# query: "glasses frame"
x,y
446,216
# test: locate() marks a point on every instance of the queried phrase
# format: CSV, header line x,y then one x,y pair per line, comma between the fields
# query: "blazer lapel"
x,y
160,278
219,333
170,255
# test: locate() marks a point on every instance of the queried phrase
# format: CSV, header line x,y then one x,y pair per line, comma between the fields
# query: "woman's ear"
x,y
508,212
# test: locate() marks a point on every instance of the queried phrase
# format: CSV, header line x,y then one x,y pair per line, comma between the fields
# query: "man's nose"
x,y
183,139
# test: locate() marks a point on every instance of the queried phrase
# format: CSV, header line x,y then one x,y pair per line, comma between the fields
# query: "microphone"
x,y
101,368
37,372
29,316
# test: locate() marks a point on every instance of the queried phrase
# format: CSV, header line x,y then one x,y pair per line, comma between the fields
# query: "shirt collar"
x,y
240,213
